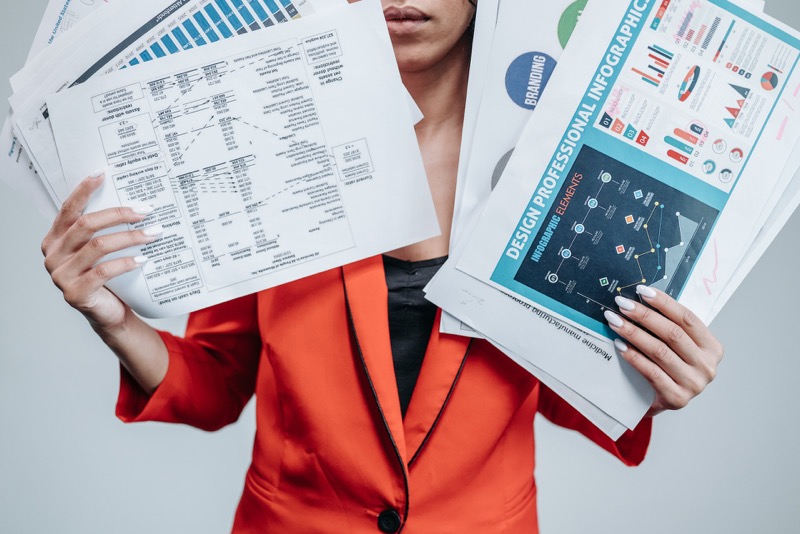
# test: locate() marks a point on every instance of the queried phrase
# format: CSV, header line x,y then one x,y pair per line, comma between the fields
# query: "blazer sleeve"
x,y
631,447
211,374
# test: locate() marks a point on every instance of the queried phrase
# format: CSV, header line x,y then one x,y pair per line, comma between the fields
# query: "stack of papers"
x,y
270,139
623,143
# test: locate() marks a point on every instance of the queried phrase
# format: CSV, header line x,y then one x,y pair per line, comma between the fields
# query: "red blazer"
x,y
332,452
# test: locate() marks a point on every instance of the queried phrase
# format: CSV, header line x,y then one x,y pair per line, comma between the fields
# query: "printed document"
x,y
145,30
268,158
647,174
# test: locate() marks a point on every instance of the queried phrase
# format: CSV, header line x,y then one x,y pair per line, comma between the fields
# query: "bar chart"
x,y
209,21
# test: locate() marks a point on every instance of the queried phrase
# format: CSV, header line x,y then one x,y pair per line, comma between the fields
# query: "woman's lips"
x,y
404,20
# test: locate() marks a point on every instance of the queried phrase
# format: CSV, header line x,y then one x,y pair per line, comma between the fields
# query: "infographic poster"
x,y
660,138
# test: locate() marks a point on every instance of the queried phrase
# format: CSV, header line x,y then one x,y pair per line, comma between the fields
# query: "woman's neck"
x,y
440,92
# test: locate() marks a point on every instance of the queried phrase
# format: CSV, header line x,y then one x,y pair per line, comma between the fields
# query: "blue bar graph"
x,y
146,56
290,9
245,13
193,33
217,20
206,27
134,62
172,48
157,50
181,37
276,11
234,21
258,10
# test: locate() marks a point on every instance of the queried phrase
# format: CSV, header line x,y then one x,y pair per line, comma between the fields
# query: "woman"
x,y
341,443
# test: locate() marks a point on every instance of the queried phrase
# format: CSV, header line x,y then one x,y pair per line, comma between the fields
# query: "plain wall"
x,y
727,463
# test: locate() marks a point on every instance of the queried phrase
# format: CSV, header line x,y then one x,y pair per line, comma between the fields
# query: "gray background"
x,y
727,463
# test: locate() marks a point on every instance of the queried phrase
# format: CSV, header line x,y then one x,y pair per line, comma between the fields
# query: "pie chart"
x,y
769,81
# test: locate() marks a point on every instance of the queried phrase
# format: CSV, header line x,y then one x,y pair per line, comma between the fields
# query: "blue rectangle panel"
x,y
290,9
157,50
181,37
206,27
245,13
258,10
217,20
193,33
276,11
172,48
226,9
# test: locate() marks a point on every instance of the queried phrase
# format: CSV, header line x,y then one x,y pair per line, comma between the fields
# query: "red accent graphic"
x,y
677,156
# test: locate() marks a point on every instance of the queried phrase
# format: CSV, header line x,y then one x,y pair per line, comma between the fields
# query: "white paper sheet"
x,y
504,111
635,120
520,65
16,168
456,299
268,158
125,34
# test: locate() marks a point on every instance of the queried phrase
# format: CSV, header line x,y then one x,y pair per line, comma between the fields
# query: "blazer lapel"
x,y
367,297
441,368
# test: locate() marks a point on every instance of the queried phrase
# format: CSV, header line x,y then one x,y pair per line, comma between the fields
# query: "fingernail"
x,y
646,291
143,210
141,260
620,345
624,304
154,231
613,319
97,174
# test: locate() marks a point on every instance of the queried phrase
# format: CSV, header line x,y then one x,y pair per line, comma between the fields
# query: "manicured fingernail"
x,y
97,174
620,345
143,210
646,291
613,319
141,260
154,231
624,304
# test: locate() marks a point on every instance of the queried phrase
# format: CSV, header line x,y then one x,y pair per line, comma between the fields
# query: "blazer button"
x,y
389,521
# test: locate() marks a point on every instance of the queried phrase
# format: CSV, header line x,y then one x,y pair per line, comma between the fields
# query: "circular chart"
x,y
769,81
568,21
527,77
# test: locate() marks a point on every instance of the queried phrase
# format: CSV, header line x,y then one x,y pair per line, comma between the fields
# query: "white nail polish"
x,y
620,345
154,231
646,291
613,319
143,210
141,260
97,174
625,304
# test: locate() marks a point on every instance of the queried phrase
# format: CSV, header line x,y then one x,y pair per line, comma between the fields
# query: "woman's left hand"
x,y
668,344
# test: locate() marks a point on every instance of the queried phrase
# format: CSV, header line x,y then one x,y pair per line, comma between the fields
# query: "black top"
x,y
410,319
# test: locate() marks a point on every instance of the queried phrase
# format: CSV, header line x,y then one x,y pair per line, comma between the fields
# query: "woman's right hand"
x,y
74,254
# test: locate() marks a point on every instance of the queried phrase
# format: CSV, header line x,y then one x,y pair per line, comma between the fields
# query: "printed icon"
x,y
604,282
725,176
719,146
709,166
737,155
620,249
629,219
638,194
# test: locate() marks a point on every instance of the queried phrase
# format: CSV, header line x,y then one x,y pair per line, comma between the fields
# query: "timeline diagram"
x,y
610,229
